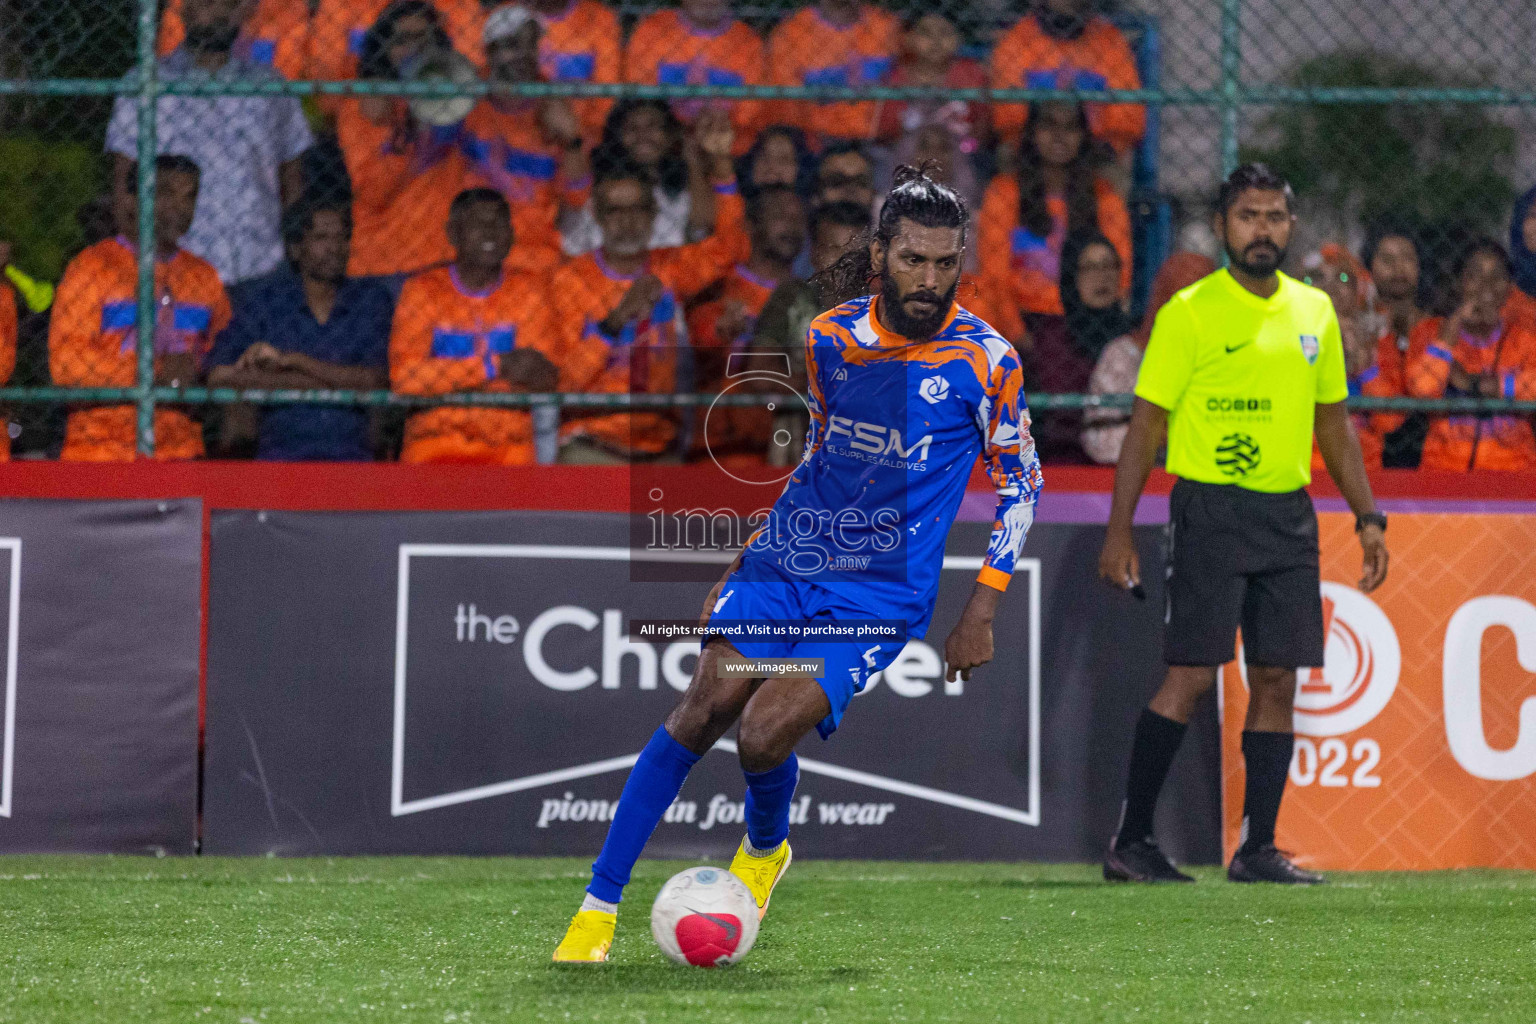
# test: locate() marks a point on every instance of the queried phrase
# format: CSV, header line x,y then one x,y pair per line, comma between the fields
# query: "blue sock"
x,y
653,784
768,796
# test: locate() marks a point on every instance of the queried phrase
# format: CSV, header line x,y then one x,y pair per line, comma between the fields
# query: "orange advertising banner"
x,y
1416,741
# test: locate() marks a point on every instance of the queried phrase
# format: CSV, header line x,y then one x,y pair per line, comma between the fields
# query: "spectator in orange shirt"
x,y
1026,217
529,150
646,133
1064,46
93,335
845,174
1522,249
472,326
619,308
275,34
723,326
1372,363
1476,352
700,43
930,57
832,43
1391,256
581,43
404,174
780,157
341,27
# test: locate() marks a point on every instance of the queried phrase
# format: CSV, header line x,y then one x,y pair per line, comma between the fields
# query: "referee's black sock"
x,y
1157,740
1267,756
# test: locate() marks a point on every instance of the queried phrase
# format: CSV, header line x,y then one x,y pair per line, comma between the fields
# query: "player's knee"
x,y
1272,686
762,743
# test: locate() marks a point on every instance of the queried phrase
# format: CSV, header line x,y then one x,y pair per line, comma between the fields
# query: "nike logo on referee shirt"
x,y
1234,348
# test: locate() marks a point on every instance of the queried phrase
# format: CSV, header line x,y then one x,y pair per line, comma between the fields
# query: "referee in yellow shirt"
x,y
1242,368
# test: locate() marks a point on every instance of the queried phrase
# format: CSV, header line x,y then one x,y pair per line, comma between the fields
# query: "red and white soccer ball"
x,y
705,917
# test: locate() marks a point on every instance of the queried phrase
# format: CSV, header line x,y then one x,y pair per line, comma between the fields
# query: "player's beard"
x,y
1262,264
913,328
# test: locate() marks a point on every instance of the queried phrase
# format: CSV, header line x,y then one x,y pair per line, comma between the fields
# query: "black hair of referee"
x,y
1254,219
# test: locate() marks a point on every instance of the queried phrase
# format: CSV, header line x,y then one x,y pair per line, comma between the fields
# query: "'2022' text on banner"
x,y
1416,742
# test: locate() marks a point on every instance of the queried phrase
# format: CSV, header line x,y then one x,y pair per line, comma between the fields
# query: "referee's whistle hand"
x,y
1119,565
1373,543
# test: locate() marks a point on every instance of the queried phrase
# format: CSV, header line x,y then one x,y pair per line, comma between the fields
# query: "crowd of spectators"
x,y
590,245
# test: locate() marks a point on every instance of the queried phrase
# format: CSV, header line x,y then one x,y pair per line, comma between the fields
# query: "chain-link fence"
x,y
438,230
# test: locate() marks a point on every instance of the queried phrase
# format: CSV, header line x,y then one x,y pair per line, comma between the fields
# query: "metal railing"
x,y
1226,99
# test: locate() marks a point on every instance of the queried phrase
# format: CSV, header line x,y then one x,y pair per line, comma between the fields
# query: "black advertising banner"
x,y
467,683
100,609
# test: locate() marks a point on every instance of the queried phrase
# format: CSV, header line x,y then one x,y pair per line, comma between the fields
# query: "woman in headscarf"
x,y
1120,362
1521,307
1066,347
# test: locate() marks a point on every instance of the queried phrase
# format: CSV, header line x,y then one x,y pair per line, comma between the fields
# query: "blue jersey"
x,y
896,428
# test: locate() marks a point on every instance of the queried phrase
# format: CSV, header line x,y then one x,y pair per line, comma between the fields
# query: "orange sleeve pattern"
x,y
1429,360
74,329
689,269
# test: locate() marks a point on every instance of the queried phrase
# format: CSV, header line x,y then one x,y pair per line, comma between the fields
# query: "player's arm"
x,y
1165,373
1014,468
1119,564
1341,451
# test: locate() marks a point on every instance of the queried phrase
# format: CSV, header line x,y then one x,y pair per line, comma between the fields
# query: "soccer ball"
x,y
705,917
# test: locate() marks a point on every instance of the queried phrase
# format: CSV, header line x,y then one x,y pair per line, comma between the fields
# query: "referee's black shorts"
x,y
1241,557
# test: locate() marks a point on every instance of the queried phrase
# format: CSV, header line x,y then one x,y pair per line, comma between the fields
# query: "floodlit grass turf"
x,y
451,940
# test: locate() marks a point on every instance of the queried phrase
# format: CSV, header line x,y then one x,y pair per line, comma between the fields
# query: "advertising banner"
x,y
100,613
469,683
1416,741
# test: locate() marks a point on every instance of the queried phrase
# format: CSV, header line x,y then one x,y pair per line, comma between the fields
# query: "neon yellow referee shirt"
x,y
1240,376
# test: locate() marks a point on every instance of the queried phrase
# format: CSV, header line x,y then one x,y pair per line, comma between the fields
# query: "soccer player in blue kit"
x,y
906,390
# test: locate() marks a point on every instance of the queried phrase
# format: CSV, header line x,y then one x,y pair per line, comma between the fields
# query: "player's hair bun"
x,y
906,174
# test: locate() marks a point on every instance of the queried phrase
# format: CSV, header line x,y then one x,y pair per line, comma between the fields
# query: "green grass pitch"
x,y
460,941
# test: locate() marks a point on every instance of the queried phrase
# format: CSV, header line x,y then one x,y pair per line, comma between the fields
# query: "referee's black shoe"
x,y
1140,861
1267,864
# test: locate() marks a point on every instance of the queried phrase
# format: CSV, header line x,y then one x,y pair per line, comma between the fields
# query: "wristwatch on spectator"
x,y
1376,519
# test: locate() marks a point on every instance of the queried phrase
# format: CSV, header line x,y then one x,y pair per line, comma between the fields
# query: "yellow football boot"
x,y
588,939
761,874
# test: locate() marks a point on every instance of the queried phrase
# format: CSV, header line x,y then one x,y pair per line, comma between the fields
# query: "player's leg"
x,y
709,707
781,713
1282,628
1203,600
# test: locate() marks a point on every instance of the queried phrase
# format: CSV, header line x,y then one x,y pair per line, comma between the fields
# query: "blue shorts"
x,y
848,664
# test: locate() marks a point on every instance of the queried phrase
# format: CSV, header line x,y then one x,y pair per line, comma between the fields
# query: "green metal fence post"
x,y
147,310
1231,72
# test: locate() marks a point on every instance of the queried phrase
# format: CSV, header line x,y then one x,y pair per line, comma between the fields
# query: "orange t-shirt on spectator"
x,y
1023,269
731,428
507,151
1520,308
808,50
276,34
1099,58
643,357
93,343
447,339
1382,379
336,41
1462,443
8,329
402,186
583,44
666,49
